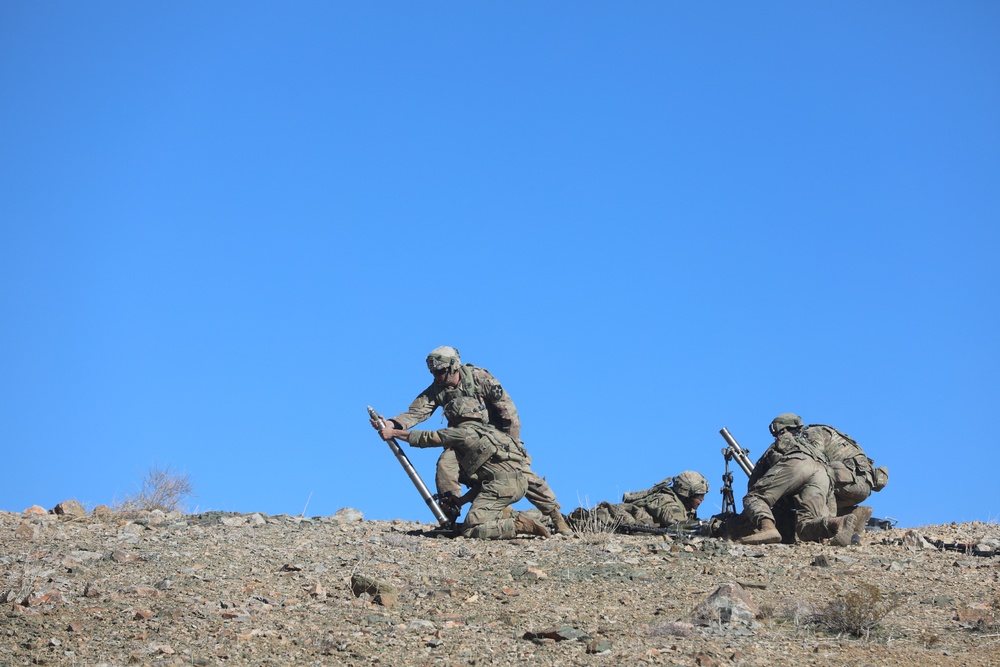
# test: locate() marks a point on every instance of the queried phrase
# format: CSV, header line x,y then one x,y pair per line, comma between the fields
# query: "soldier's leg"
x,y
541,495
783,479
447,474
849,495
816,512
485,519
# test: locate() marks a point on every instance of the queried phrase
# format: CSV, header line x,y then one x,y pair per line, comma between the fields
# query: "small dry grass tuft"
x,y
589,528
161,489
858,612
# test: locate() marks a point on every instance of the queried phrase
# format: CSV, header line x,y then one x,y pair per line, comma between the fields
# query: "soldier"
x,y
854,474
794,470
671,503
489,457
451,380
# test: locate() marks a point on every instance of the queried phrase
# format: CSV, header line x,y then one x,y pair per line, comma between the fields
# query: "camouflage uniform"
x,y
480,384
661,506
494,460
795,469
854,474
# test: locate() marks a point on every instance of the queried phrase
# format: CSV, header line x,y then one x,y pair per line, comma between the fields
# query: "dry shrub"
x,y
859,611
592,531
161,489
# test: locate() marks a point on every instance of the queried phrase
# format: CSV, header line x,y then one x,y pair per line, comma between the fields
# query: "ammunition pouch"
x,y
881,478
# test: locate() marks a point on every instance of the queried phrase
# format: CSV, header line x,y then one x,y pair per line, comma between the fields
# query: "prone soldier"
x,y
673,503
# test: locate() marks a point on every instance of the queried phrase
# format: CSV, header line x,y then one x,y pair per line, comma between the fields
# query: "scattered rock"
x,y
730,603
599,646
69,508
822,560
187,589
917,541
559,634
27,531
380,592
347,515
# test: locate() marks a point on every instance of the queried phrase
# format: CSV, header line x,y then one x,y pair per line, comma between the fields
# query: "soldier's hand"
x,y
375,424
390,432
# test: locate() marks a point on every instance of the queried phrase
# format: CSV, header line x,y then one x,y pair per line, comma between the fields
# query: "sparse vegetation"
x,y
858,612
587,525
161,489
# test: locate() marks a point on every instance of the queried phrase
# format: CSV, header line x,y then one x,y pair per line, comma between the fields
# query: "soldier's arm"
x,y
420,410
446,437
500,404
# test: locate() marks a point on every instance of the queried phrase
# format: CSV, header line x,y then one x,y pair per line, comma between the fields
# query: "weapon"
x,y
733,451
412,473
680,529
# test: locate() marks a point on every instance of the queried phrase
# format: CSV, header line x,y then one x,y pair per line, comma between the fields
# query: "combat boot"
x,y
766,534
525,525
841,529
861,516
559,523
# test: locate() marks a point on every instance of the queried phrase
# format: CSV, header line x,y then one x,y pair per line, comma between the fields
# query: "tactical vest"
x,y
491,445
634,496
845,449
795,443
466,387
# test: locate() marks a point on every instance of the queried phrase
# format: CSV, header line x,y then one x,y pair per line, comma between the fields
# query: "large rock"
x,y
69,508
730,603
347,515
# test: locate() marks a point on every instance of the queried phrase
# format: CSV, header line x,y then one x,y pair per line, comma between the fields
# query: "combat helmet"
x,y
689,484
465,408
783,421
442,358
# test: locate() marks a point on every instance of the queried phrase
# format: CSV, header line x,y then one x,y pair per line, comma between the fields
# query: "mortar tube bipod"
x,y
412,473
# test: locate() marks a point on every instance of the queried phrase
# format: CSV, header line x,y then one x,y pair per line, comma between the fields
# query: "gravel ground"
x,y
250,589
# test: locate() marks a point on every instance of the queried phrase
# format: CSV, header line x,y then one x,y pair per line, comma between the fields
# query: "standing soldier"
x,y
488,456
452,380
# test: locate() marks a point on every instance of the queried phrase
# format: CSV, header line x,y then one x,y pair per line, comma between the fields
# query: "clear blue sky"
x,y
226,228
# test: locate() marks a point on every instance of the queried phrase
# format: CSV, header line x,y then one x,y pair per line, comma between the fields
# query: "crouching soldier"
x,y
854,474
794,472
491,459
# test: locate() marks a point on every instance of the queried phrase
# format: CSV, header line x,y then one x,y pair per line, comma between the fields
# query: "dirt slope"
x,y
226,589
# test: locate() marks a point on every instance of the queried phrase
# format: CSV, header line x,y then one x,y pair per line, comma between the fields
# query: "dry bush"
x,y
592,531
859,611
161,489
796,611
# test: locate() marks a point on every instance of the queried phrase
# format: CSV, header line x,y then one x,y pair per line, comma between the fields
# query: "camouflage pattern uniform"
x,y
493,459
661,506
793,468
855,475
478,383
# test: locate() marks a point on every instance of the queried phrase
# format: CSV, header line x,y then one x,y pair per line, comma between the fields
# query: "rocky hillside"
x,y
229,589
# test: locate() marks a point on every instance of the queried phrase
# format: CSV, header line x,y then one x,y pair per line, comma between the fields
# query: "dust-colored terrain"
x,y
228,589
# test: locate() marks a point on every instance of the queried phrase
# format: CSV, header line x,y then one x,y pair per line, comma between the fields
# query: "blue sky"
x,y
226,228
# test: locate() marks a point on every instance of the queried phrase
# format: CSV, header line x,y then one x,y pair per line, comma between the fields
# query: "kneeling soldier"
x,y
489,457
